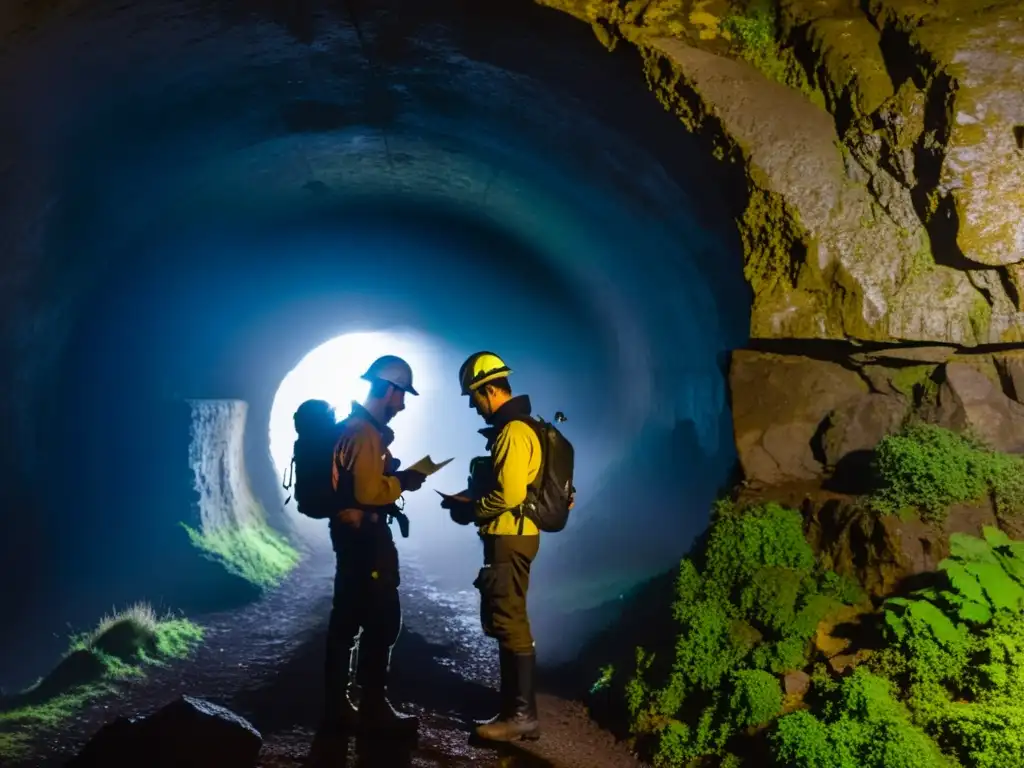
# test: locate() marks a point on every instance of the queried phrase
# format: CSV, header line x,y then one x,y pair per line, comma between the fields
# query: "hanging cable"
x,y
375,76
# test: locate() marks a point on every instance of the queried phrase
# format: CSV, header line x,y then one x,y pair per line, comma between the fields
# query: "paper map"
x,y
426,466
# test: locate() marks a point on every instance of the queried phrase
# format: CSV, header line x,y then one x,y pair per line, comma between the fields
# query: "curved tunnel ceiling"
x,y
191,189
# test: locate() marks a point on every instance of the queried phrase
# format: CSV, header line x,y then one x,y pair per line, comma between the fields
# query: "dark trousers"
x,y
503,583
366,605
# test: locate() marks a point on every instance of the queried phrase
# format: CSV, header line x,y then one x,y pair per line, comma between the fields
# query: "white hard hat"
x,y
393,370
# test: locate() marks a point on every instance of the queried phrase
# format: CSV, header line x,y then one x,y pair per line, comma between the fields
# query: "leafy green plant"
x,y
928,468
980,576
747,603
958,650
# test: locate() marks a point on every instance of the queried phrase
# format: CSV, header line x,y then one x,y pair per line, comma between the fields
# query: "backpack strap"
x,y
536,424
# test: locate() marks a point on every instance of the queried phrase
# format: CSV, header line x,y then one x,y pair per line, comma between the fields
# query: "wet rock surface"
x,y
264,663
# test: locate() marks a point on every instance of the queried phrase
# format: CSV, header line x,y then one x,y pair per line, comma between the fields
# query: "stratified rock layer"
x,y
798,418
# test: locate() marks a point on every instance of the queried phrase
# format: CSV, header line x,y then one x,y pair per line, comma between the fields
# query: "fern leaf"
x,y
939,623
975,613
963,581
896,624
1014,566
898,604
970,548
1001,590
995,537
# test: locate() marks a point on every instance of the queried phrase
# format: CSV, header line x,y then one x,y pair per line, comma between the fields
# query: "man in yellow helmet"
x,y
366,580
510,539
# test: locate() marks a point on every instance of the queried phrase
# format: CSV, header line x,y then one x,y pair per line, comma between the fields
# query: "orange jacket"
x,y
360,460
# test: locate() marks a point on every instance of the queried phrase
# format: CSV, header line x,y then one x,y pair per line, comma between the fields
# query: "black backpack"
x,y
551,494
312,468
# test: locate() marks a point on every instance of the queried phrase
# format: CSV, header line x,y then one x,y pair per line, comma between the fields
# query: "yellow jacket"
x,y
516,458
360,460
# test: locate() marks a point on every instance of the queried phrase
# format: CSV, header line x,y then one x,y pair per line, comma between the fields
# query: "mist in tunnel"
x,y
212,200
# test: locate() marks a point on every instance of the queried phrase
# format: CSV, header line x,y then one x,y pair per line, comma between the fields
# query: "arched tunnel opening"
x,y
197,197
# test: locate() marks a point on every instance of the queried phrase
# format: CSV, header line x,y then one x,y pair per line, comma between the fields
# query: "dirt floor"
x,y
264,661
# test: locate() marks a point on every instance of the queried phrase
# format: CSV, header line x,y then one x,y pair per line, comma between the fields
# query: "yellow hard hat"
x,y
480,368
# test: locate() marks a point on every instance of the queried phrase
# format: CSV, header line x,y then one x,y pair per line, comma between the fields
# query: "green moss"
x,y
915,382
254,552
755,35
118,649
927,468
770,236
980,318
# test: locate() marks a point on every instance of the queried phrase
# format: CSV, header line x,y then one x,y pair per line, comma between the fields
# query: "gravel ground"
x,y
264,661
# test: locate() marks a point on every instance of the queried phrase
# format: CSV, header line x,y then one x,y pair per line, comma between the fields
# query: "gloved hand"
x,y
460,508
409,480
450,502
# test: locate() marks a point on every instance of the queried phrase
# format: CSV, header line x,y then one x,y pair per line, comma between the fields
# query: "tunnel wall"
x,y
130,128
217,459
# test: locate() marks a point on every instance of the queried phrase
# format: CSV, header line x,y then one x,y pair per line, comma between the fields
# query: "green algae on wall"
x,y
915,382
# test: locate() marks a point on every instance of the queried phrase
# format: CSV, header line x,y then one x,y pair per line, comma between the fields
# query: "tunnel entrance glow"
x,y
332,372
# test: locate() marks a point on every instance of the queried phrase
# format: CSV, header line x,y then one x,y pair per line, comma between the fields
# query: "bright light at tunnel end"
x,y
332,372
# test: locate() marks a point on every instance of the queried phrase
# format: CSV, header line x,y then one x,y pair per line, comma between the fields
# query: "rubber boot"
x,y
377,714
522,723
507,689
339,713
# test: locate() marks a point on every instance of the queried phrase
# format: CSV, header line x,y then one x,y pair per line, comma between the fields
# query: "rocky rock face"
x,y
799,418
188,731
779,403
882,552
882,144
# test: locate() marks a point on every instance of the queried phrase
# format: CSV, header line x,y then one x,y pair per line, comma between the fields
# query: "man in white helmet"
x,y
511,540
366,579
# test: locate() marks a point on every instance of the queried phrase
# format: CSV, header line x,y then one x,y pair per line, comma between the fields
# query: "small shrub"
x,y
928,468
958,650
747,602
860,725
756,698
981,577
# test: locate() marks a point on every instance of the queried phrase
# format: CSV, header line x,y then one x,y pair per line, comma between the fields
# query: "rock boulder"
x,y
971,401
854,429
778,405
187,732
885,552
